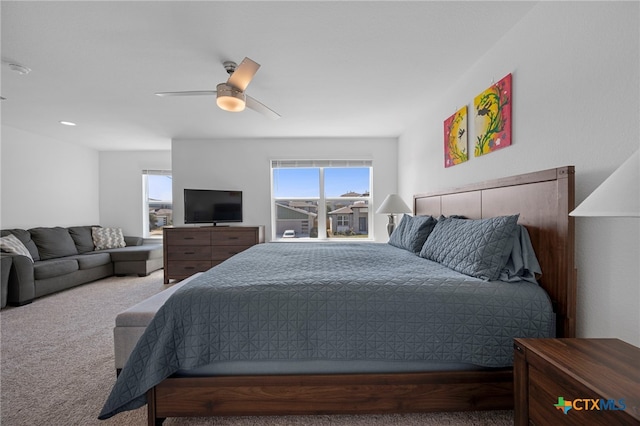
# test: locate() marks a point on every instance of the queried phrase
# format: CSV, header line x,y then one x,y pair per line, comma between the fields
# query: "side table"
x,y
576,382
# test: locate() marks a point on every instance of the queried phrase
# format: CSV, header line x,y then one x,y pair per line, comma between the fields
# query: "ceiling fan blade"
x,y
188,93
242,76
261,108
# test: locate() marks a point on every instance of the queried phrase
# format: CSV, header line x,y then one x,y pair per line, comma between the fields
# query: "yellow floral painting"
x,y
493,117
455,138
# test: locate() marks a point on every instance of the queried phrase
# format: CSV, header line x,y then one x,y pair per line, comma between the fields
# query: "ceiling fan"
x,y
230,95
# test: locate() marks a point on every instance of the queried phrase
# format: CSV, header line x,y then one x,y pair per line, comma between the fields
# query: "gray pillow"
x,y
412,232
82,238
395,239
53,242
479,248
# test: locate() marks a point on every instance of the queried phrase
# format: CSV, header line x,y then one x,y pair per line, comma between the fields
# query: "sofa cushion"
x,y
107,238
133,253
54,268
91,260
25,237
11,244
53,242
82,238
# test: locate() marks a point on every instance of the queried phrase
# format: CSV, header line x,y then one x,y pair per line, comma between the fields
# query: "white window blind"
x,y
281,164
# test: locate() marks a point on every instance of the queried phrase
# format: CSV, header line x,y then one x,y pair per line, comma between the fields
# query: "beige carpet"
x,y
57,365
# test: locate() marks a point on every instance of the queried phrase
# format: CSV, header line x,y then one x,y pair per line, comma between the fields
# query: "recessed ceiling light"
x,y
67,123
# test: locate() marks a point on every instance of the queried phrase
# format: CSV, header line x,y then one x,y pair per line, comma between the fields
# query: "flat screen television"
x,y
212,206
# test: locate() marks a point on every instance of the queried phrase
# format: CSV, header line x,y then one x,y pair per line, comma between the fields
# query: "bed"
x,y
400,371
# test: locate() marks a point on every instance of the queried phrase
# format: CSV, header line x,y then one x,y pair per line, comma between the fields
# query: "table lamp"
x,y
392,205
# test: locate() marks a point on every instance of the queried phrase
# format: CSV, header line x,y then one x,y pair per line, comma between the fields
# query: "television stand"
x,y
189,250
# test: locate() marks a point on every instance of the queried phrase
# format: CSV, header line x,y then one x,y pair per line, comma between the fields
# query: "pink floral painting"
x,y
493,117
455,138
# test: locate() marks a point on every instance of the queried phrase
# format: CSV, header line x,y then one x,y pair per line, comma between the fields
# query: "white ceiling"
x,y
331,69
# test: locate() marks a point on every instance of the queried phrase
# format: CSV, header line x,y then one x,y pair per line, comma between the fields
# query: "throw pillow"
x,y
82,238
11,244
479,248
53,242
413,232
107,238
396,237
25,237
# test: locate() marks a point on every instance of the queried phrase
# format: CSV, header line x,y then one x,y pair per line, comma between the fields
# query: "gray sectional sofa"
x,y
66,257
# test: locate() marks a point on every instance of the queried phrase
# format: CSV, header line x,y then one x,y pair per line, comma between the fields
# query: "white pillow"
x,y
107,238
11,244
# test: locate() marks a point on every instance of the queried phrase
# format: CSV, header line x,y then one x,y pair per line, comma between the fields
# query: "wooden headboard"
x,y
543,200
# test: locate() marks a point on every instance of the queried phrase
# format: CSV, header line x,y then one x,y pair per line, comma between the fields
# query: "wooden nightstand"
x,y
598,378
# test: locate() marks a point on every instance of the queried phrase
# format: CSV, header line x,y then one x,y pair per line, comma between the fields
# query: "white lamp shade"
x,y
393,204
618,195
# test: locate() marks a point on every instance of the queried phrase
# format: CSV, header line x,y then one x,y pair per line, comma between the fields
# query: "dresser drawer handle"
x,y
189,238
189,252
189,267
234,238
518,348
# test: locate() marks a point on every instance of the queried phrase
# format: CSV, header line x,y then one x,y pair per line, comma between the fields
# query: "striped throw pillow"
x,y
11,244
107,238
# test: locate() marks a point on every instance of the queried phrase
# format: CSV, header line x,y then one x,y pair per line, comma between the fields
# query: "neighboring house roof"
x,y
362,205
287,212
342,210
302,204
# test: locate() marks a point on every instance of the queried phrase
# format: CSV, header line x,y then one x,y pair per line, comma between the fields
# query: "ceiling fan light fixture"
x,y
229,98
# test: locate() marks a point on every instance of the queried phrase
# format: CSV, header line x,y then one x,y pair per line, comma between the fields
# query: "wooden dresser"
x,y
576,382
188,250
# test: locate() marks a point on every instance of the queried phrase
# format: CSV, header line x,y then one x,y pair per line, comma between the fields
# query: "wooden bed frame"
x,y
543,199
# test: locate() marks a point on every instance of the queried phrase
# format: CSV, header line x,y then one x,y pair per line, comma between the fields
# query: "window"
x,y
321,199
157,201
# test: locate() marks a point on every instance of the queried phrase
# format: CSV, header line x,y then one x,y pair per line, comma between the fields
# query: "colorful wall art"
x,y
455,138
493,117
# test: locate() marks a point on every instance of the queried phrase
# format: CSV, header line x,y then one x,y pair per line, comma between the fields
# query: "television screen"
x,y
212,206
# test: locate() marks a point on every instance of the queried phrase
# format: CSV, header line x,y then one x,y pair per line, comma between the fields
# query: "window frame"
x,y
323,200
145,200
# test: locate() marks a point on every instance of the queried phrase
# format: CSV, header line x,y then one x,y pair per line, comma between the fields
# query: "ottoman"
x,y
132,323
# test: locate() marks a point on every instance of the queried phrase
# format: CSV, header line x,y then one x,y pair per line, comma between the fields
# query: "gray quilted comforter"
x,y
331,301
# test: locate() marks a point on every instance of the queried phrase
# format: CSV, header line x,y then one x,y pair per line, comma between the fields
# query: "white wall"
x,y
46,182
244,164
121,202
576,102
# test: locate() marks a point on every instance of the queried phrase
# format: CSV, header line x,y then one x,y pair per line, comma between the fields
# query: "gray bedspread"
x,y
331,301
